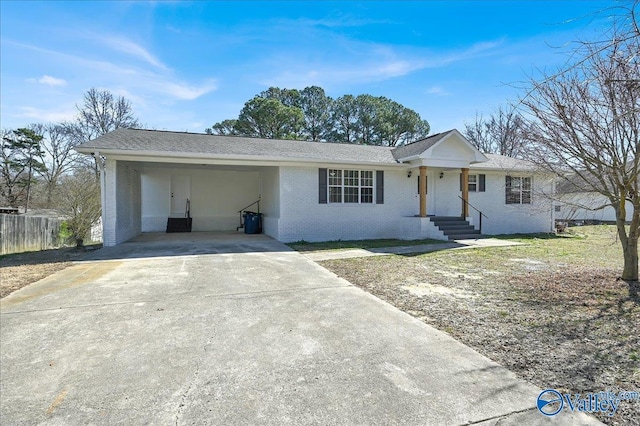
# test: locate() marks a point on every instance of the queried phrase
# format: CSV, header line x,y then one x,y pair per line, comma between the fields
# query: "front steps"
x,y
455,228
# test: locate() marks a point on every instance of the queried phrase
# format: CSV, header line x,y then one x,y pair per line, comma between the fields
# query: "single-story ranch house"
x,y
316,191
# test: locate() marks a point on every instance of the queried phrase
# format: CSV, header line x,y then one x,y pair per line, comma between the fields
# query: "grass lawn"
x,y
552,310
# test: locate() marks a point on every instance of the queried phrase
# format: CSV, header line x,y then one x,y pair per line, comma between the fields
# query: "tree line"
x,y
309,114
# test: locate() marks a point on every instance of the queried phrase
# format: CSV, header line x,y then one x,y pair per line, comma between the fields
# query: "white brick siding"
x,y
505,218
302,217
292,211
122,198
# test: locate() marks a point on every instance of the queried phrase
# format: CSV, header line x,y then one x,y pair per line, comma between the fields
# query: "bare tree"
x,y
82,203
500,133
100,113
585,123
56,155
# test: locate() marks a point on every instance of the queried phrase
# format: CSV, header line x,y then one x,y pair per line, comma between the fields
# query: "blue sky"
x,y
187,65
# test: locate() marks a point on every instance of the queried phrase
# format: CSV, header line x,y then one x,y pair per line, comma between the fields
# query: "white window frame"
x,y
337,182
521,199
475,183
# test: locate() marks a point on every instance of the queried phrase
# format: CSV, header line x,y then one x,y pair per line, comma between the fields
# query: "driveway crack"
x,y
183,398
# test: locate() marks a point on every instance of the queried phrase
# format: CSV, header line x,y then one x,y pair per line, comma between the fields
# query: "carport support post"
x,y
423,191
465,193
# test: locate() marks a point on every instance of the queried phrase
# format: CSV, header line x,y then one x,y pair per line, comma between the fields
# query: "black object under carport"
x,y
181,224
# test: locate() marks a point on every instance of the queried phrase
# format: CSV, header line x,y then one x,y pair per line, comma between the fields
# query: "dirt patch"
x,y
22,269
554,313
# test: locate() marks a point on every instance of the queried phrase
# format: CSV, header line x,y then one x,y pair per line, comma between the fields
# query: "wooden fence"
x,y
19,233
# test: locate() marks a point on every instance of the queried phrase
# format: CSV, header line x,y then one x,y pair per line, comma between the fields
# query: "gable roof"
x,y
418,147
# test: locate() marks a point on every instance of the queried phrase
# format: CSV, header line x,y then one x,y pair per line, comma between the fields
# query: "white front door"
x,y
180,193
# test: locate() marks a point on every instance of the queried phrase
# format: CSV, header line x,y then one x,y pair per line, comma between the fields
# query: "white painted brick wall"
x,y
505,218
109,229
303,218
128,222
122,199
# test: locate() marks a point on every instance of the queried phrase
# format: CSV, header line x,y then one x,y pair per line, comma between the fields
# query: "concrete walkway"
x,y
253,333
320,255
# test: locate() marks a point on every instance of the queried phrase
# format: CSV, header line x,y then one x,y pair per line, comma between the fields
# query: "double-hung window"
x,y
473,183
350,186
518,190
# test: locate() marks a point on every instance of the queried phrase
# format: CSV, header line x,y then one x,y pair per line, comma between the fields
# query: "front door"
x,y
180,193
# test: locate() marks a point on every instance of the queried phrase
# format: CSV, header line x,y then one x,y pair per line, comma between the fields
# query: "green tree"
x,y
311,115
225,127
399,125
345,120
22,162
269,118
316,107
368,120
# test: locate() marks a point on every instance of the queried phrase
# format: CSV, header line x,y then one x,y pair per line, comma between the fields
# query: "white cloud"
x,y
360,62
47,80
438,91
129,47
185,91
41,115
135,80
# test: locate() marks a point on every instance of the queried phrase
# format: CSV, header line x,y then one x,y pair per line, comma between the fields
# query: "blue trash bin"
x,y
252,223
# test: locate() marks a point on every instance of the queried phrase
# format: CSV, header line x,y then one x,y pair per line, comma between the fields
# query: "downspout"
x,y
100,162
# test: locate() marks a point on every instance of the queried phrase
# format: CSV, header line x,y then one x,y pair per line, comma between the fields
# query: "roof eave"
x,y
150,155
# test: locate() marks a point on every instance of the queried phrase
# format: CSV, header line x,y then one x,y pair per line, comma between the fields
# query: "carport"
x,y
139,196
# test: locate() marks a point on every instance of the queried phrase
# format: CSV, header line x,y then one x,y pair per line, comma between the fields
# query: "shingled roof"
x,y
502,162
418,147
181,144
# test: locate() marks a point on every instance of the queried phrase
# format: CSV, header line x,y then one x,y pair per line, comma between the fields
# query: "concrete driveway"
x,y
235,330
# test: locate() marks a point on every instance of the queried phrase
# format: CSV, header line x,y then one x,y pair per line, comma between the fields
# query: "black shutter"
x,y
481,183
379,187
322,186
507,189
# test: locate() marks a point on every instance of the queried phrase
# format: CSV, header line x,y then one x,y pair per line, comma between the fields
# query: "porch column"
x,y
465,192
423,191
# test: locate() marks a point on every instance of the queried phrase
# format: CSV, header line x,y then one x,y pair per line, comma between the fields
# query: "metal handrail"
x,y
476,209
246,207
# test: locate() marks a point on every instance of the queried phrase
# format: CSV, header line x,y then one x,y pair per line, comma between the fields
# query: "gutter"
x,y
199,157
